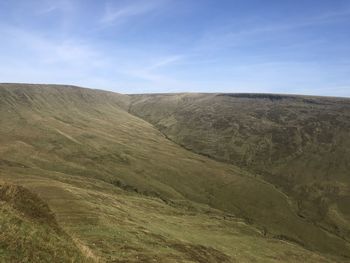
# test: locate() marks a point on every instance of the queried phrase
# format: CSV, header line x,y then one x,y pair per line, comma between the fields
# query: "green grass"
x,y
111,225
300,144
124,193
29,231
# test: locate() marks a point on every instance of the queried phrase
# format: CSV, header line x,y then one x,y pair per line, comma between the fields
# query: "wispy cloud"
x,y
50,51
44,60
46,7
47,10
230,36
150,71
165,61
80,62
116,14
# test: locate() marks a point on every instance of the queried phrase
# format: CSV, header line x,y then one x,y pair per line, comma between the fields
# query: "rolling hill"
x,y
300,144
114,188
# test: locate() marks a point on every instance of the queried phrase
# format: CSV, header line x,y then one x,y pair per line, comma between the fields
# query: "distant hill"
x,y
298,143
122,192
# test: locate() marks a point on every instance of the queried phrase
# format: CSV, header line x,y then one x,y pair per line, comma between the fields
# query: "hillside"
x,y
122,192
300,144
29,231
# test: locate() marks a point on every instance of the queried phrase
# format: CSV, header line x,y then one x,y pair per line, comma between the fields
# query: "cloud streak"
x,y
50,51
79,62
47,7
227,37
118,14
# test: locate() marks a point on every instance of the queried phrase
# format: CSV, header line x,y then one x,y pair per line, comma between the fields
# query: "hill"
x,y
300,144
123,192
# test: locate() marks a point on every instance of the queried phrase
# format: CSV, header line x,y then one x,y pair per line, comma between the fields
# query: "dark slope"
x,y
300,144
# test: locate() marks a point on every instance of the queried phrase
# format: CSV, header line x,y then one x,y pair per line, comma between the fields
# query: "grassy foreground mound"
x,y
108,224
29,231
124,193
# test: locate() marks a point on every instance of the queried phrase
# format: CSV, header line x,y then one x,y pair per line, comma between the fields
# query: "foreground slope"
x,y
298,143
29,231
122,191
108,224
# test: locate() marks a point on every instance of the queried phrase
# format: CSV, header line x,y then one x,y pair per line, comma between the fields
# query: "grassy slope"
x,y
300,144
101,170
111,225
29,231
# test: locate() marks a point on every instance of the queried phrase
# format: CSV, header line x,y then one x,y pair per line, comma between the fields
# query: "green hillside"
x,y
299,144
120,191
29,231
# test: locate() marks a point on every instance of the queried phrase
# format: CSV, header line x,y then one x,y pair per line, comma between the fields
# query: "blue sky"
x,y
142,46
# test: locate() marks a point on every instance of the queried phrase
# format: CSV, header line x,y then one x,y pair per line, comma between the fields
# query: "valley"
x,y
172,178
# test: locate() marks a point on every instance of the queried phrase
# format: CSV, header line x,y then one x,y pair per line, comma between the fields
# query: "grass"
x,y
29,231
299,144
111,225
124,193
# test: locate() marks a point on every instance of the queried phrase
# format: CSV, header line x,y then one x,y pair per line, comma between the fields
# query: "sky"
x,y
151,46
